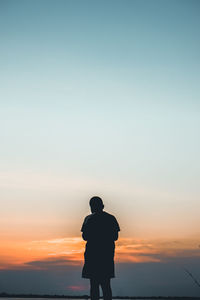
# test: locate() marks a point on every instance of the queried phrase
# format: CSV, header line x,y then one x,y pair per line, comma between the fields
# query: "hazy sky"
x,y
99,98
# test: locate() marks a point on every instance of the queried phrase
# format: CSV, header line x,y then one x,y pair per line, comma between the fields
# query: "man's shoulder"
x,y
112,220
107,215
86,221
88,217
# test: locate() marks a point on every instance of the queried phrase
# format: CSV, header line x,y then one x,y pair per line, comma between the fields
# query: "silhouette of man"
x,y
100,230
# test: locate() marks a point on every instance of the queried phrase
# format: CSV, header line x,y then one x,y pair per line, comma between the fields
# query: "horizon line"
x,y
31,295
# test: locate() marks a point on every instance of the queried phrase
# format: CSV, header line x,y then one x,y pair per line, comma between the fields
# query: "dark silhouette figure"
x,y
100,230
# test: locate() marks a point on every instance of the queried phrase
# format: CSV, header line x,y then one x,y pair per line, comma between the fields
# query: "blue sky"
x,y
105,92
100,97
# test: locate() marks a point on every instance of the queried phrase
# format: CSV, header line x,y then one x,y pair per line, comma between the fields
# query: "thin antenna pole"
x,y
192,276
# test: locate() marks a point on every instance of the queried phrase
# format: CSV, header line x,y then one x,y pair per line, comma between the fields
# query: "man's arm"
x,y
116,229
85,229
115,235
85,235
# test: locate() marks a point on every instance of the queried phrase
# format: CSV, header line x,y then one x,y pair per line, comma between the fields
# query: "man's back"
x,y
100,227
100,230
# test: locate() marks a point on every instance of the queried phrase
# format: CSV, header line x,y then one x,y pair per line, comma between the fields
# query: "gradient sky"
x,y
100,98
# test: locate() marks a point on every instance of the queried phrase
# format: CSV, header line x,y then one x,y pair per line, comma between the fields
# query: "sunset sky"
x,y
100,98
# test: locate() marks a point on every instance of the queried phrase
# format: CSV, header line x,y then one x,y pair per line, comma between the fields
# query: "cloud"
x,y
139,251
56,252
56,262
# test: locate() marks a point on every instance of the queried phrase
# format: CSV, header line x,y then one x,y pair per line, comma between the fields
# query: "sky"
x,y
99,98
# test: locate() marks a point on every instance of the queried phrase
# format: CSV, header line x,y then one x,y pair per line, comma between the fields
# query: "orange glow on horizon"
x,y
77,287
42,254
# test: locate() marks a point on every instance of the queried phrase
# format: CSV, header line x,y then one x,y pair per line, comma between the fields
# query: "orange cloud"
x,y
19,254
42,254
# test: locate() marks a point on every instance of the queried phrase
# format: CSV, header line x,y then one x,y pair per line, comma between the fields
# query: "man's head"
x,y
96,204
